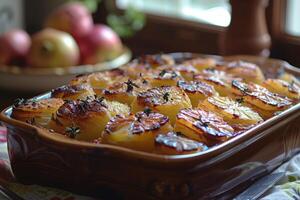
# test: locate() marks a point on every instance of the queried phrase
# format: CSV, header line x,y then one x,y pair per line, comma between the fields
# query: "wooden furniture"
x,y
247,32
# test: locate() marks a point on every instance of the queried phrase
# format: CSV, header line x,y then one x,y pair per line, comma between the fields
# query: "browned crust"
x,y
69,90
185,68
139,123
81,108
209,123
128,87
166,74
292,87
156,60
155,96
201,61
38,105
261,93
196,87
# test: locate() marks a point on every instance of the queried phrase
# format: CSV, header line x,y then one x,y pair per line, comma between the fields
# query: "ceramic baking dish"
x,y
112,172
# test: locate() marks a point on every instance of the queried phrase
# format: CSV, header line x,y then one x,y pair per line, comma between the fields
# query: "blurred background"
x,y
177,25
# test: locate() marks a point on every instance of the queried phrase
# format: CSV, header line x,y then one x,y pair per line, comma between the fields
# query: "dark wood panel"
x,y
161,35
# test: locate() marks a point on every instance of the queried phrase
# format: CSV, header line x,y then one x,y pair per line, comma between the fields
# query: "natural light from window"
x,y
292,25
216,12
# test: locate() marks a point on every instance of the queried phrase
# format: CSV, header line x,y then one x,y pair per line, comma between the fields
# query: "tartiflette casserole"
x,y
157,105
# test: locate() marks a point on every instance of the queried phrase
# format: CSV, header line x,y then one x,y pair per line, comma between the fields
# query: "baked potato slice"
x,y
186,71
99,80
36,112
203,126
172,144
218,79
86,118
73,92
284,88
233,112
260,97
125,92
249,72
290,78
197,91
201,63
167,100
136,131
163,77
156,60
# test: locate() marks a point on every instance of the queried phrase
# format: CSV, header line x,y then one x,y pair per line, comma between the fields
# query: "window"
x,y
292,25
215,12
198,25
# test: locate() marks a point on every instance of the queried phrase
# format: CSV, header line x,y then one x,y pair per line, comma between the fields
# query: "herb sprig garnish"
x,y
83,105
72,131
162,73
205,124
166,96
130,85
147,111
99,100
145,81
240,100
240,86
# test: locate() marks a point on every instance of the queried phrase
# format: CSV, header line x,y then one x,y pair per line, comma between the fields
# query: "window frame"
x,y
284,45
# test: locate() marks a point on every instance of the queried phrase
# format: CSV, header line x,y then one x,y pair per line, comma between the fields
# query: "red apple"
x,y
53,48
73,18
14,45
100,44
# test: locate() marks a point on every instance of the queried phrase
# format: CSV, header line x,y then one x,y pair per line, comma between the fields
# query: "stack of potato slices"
x,y
159,105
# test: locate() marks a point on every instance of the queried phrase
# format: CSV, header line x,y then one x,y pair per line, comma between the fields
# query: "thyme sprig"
x,y
166,96
147,111
130,85
72,131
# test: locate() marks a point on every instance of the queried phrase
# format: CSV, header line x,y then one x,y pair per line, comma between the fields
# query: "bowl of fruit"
x,y
70,44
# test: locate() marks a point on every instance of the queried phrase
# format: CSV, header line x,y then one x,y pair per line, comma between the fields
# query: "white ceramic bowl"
x,y
28,79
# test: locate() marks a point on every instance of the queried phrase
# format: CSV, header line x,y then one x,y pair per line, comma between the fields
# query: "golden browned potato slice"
x,y
186,71
289,78
136,131
197,91
83,119
201,63
163,78
100,80
73,92
36,112
156,60
172,144
290,90
231,111
125,92
136,70
167,100
262,100
203,126
249,72
220,80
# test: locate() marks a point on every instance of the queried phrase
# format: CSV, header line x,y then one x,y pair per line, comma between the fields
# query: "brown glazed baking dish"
x,y
112,172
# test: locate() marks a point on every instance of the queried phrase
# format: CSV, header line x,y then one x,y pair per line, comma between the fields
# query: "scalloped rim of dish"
x,y
245,138
123,58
